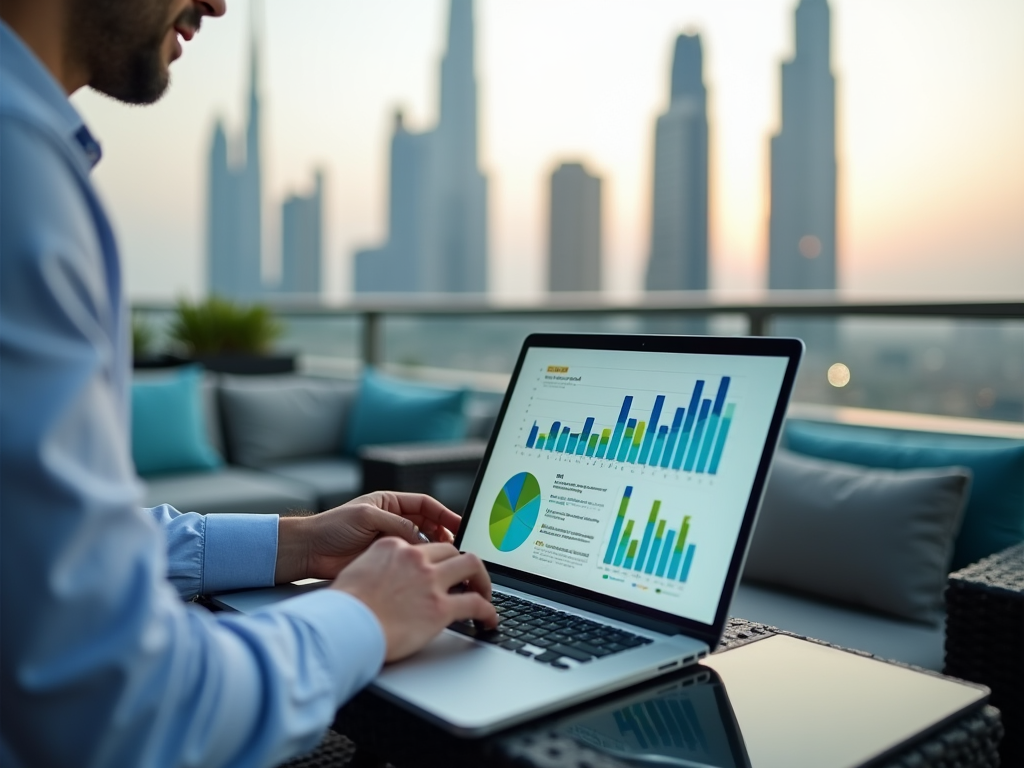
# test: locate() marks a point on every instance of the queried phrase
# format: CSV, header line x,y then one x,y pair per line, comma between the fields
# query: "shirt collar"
x,y
18,62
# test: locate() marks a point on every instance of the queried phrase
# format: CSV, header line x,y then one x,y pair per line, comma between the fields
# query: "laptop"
x,y
612,509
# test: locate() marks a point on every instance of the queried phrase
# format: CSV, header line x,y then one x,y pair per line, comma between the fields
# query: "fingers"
x,y
469,570
470,605
430,511
389,524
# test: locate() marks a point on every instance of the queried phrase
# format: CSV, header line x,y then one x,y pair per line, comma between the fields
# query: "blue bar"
x,y
686,563
659,444
652,428
691,412
573,440
723,389
722,434
652,558
666,549
673,566
645,543
634,450
617,528
624,446
709,438
672,437
552,436
540,443
620,425
628,563
533,436
585,435
562,440
698,432
620,551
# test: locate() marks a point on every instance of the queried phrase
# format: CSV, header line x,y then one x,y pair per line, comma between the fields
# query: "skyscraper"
x,y
301,241
437,229
574,253
802,237
679,226
234,223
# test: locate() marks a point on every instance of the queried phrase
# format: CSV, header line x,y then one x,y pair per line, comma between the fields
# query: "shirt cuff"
x,y
352,643
240,551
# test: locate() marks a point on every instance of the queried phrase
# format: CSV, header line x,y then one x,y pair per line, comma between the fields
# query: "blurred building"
x,y
234,226
574,250
302,242
802,237
437,218
679,229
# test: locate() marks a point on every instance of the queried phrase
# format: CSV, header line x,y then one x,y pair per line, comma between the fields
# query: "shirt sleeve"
x,y
217,553
93,638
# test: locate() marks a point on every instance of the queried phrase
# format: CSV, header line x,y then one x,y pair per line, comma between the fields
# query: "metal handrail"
x,y
374,309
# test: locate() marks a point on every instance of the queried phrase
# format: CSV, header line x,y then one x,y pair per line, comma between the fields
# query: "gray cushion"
x,y
229,490
333,480
889,638
273,419
879,538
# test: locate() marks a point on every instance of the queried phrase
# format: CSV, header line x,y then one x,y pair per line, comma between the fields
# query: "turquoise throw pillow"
x,y
168,430
393,411
994,518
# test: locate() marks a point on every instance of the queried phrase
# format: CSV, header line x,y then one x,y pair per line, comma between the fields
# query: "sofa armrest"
x,y
985,636
413,467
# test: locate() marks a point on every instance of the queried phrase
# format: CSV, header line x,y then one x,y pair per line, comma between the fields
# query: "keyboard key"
x,y
547,657
512,645
559,665
524,652
593,650
570,652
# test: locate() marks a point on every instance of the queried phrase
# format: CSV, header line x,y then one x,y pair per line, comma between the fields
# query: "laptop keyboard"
x,y
548,635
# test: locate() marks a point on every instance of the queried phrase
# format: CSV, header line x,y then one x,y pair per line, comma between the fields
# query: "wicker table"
x,y
403,740
985,637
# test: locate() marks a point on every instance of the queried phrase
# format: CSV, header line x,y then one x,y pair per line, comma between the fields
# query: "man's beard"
x,y
121,42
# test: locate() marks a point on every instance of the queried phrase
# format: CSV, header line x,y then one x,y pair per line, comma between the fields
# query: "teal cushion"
x,y
393,411
168,425
994,518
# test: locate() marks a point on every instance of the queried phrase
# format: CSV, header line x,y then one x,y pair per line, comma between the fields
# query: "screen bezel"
x,y
790,349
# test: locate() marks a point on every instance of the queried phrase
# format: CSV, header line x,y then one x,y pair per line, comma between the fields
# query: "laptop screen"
x,y
626,473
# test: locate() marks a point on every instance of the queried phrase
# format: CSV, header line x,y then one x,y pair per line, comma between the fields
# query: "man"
x,y
101,662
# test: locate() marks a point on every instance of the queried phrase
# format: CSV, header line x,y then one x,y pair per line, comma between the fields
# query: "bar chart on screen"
x,y
657,546
692,439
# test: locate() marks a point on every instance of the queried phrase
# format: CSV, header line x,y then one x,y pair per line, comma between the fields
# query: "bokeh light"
x,y
838,375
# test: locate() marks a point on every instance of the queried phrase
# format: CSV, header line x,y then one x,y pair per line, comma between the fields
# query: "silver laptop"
x,y
612,509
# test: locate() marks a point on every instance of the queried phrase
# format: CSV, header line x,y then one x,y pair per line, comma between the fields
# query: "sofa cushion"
x,y
229,490
274,419
994,518
877,538
334,480
390,410
169,425
889,638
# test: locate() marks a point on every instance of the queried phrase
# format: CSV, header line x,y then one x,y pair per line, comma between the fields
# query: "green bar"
x,y
638,436
658,534
591,445
682,535
606,435
631,552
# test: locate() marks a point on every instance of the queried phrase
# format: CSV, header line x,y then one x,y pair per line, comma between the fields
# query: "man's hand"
x,y
320,546
407,588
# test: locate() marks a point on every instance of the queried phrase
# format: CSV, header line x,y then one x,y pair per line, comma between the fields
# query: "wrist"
x,y
292,550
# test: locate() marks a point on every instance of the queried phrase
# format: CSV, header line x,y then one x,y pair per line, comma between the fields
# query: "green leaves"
x,y
219,326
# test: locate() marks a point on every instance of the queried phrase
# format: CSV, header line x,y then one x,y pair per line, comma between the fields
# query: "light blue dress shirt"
x,y
102,662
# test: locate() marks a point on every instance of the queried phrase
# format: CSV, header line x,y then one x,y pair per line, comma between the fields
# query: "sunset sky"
x,y
930,142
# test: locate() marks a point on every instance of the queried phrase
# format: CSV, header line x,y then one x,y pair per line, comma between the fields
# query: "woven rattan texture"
x,y
408,742
985,637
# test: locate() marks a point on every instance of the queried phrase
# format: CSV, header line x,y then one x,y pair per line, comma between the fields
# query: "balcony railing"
x,y
956,358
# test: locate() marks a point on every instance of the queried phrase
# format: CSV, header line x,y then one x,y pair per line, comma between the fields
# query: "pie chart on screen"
x,y
515,512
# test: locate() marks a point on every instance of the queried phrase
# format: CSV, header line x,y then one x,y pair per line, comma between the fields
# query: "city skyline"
x,y
802,224
437,197
574,229
679,223
919,191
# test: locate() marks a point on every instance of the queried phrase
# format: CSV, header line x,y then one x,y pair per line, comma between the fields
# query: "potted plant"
x,y
229,337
